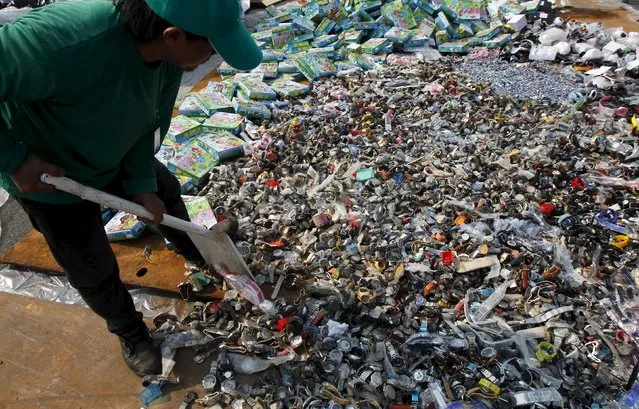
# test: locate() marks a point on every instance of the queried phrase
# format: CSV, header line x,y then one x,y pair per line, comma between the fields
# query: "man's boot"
x,y
141,355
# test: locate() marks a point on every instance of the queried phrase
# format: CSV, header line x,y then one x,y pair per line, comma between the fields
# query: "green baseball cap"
x,y
217,20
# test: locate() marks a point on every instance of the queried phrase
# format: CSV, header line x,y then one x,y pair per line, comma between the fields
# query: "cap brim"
x,y
238,48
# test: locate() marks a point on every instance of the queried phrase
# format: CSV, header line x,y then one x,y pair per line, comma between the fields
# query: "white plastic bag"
x,y
552,36
543,53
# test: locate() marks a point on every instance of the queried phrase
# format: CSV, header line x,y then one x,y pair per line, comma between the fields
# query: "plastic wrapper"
x,y
543,53
544,395
248,365
246,287
56,288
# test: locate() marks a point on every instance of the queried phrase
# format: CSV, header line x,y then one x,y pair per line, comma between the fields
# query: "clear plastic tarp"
x,y
56,288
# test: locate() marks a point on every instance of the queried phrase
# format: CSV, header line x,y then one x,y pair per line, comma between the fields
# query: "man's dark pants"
x,y
76,237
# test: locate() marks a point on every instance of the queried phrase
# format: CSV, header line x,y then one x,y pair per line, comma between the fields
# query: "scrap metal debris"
x,y
445,246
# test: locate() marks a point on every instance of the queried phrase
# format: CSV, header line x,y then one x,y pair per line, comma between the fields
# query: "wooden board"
x,y
58,356
164,272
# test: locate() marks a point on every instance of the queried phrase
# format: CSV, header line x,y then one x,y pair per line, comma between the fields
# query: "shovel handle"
x,y
114,202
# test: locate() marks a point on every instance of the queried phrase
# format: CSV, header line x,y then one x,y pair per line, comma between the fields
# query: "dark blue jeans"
x,y
76,237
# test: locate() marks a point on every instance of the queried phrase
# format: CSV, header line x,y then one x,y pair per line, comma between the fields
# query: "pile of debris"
x,y
428,243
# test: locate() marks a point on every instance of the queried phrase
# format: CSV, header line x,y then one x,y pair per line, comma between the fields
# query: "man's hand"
x,y
27,177
153,204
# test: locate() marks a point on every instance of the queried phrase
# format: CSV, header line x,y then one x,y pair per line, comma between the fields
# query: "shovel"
x,y
215,246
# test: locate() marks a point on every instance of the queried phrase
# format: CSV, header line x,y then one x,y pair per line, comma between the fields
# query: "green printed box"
x,y
182,128
200,211
400,15
212,102
186,183
454,47
272,55
192,161
226,88
189,107
124,226
254,87
398,35
289,88
224,121
374,45
281,35
222,145
251,109
267,69
497,41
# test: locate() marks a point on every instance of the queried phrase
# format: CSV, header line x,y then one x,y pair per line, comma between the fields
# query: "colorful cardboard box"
x,y
124,226
165,153
272,55
362,60
288,88
224,121
222,145
212,102
374,45
287,66
281,35
498,41
186,184
454,47
335,11
325,27
200,211
254,86
192,161
315,66
400,15
303,23
398,35
189,107
226,69
183,128
444,24
226,88
324,40
251,109
107,214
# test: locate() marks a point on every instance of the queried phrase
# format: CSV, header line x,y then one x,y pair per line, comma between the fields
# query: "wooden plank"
x,y
59,356
164,272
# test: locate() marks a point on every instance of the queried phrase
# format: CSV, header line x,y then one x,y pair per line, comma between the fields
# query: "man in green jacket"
x,y
87,91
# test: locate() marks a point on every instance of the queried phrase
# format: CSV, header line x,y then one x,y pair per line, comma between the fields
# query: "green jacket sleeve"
x,y
25,75
139,163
